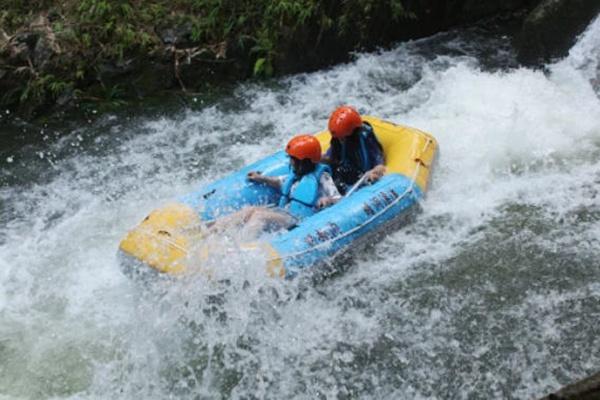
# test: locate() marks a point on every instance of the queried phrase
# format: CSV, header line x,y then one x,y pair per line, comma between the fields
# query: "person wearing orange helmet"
x,y
354,151
307,188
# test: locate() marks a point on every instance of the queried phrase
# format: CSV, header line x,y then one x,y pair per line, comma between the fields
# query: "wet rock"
x,y
65,99
21,47
109,73
168,36
42,53
152,78
551,29
586,389
312,48
36,45
47,45
28,39
473,10
178,36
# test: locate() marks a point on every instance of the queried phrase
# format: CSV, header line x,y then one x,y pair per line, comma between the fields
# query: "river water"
x,y
493,291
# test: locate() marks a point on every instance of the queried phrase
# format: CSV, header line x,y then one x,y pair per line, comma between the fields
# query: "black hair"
x,y
305,166
352,141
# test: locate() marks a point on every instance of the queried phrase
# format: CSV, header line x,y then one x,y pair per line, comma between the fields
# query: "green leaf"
x,y
259,66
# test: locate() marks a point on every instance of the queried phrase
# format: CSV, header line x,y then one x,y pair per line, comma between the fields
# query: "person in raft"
x,y
354,150
307,188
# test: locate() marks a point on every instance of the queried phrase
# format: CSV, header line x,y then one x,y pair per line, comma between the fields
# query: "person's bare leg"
x,y
240,217
261,218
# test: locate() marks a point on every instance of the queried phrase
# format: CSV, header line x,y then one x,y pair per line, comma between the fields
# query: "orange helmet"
x,y
343,121
304,147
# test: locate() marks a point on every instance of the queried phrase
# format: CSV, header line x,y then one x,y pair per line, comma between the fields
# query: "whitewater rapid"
x,y
493,292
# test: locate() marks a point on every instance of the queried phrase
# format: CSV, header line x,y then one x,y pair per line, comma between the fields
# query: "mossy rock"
x,y
551,29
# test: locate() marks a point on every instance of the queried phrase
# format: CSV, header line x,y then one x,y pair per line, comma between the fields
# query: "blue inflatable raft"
x,y
162,241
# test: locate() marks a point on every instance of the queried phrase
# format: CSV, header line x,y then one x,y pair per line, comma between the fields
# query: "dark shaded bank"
x,y
586,389
56,55
550,30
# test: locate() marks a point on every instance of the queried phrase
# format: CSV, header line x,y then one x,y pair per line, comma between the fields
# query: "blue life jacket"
x,y
362,149
352,157
303,198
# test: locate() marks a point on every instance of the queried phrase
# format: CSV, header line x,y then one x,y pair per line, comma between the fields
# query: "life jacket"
x,y
301,201
351,157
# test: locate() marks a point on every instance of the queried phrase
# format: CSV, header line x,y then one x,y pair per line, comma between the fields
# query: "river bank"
x,y
65,56
57,56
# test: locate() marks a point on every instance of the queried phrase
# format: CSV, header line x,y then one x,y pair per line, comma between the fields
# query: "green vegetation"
x,y
58,49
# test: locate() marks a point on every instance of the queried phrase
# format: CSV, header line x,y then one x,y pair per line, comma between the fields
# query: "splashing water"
x,y
492,293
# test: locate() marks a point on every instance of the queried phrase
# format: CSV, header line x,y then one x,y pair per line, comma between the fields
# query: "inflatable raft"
x,y
162,242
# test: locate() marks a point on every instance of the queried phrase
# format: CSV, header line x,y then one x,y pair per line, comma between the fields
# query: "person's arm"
x,y
324,202
376,154
273,181
328,192
375,173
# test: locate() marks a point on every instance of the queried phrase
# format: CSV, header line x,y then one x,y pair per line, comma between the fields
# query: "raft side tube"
x,y
336,227
235,191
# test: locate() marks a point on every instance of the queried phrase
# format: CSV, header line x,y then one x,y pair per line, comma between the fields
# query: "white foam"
x,y
584,56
